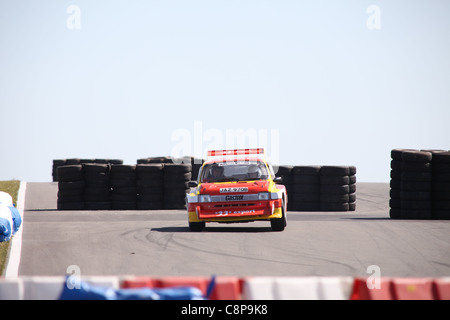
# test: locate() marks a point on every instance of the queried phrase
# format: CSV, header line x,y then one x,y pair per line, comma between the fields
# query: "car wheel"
x,y
278,224
196,226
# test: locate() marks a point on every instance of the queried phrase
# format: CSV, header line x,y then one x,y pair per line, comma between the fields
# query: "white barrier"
x,y
6,198
335,288
46,287
12,268
42,288
259,288
11,289
297,288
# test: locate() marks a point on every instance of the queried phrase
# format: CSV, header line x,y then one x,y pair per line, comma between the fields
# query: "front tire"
x,y
196,226
278,224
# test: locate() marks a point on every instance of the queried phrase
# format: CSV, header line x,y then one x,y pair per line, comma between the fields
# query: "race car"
x,y
236,186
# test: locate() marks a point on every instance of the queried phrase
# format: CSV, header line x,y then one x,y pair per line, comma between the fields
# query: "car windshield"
x,y
234,171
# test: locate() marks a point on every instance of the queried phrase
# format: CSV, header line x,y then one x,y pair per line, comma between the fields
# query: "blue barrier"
x,y
5,223
5,230
86,291
16,218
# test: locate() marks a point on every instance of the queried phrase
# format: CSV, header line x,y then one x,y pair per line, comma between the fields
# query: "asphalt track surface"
x,y
158,243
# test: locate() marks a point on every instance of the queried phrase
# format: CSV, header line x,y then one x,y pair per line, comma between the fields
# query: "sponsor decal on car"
x,y
226,212
234,198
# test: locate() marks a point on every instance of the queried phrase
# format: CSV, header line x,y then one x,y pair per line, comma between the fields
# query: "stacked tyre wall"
x,y
420,184
149,179
175,186
123,187
151,184
71,186
77,161
162,183
97,186
319,188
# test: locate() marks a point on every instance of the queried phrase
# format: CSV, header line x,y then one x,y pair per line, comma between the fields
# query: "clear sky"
x,y
315,82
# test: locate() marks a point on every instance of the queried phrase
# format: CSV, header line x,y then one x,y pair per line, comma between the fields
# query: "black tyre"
x,y
352,206
149,205
306,170
336,170
415,214
70,173
339,180
196,226
416,156
334,206
415,185
415,195
178,177
62,205
303,206
416,176
304,188
335,189
305,196
396,154
441,157
278,224
305,179
177,168
97,205
123,205
416,166
395,213
441,214
334,198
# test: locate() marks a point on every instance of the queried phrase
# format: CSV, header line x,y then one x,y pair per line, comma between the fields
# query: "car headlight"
x,y
263,196
204,198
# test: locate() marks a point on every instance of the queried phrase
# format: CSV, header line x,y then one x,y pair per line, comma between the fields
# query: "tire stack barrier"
x,y
176,178
415,187
305,188
149,183
123,187
70,187
97,190
395,183
73,161
154,160
338,188
196,166
420,184
162,183
57,163
440,185
320,188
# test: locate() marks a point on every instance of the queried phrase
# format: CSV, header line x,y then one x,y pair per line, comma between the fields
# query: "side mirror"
x,y
278,180
192,184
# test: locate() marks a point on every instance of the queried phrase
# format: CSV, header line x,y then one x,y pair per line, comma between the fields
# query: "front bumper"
x,y
234,211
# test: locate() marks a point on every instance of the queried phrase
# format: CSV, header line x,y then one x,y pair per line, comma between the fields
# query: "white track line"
x,y
12,269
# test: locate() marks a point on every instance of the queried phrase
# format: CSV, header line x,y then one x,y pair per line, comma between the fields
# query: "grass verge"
x,y
12,187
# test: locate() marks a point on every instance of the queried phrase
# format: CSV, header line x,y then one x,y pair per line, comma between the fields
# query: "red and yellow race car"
x,y
236,186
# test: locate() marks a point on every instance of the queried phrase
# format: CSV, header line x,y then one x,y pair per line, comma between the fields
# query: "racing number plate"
x,y
233,189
